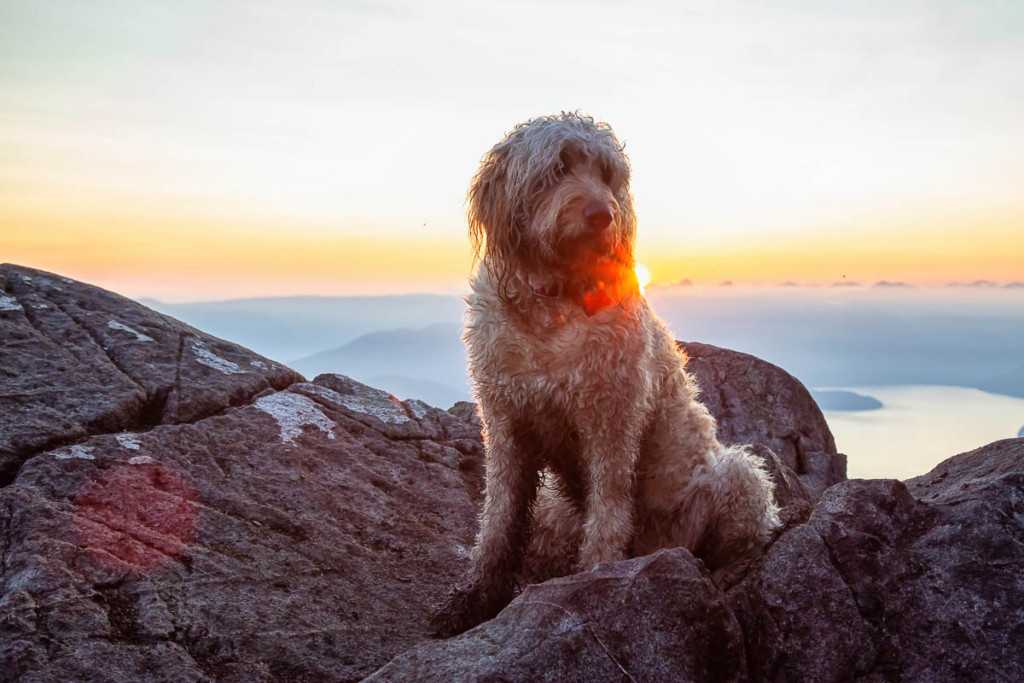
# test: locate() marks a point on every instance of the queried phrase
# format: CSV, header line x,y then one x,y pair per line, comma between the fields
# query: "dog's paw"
x,y
467,608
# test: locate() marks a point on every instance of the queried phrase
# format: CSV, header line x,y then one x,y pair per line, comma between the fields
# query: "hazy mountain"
x,y
865,337
827,337
1011,383
434,393
287,328
427,363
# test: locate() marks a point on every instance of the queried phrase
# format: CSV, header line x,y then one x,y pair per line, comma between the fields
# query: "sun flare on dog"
x,y
643,276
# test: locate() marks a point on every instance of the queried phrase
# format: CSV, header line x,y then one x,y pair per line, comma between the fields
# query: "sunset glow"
x,y
326,149
643,276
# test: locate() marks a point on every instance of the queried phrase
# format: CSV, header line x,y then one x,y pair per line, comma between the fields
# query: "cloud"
x,y
976,283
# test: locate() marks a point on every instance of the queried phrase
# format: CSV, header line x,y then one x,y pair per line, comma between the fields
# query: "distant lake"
x,y
920,426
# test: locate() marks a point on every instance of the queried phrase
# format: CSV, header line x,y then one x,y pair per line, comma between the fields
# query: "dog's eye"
x,y
607,175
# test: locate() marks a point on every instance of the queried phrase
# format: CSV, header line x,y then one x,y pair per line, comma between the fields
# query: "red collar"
x,y
594,299
590,296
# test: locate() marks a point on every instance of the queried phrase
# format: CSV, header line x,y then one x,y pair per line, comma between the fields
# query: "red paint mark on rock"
x,y
141,515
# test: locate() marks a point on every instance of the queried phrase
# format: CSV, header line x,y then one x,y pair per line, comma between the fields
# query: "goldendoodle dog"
x,y
597,448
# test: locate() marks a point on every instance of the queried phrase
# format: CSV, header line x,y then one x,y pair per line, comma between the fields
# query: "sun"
x,y
643,276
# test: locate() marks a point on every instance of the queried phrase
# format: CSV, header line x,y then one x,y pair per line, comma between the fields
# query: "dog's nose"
x,y
598,216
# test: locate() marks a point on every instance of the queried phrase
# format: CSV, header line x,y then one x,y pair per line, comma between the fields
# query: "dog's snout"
x,y
598,215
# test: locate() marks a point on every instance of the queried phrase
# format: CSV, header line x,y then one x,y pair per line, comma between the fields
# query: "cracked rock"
x,y
287,539
656,618
76,360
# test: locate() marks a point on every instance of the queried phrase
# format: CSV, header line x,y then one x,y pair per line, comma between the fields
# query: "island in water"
x,y
838,399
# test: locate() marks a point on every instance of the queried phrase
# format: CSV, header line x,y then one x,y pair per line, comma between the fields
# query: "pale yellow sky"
x,y
196,151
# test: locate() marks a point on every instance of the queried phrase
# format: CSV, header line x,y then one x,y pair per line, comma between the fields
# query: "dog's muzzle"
x,y
598,217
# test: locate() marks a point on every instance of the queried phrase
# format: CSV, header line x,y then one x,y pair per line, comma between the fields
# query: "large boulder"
x,y
654,618
916,581
304,536
76,360
757,402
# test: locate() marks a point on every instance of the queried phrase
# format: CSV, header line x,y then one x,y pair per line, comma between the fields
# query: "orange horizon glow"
x,y
189,258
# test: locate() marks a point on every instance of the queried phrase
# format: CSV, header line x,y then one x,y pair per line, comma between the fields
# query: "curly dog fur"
x,y
596,445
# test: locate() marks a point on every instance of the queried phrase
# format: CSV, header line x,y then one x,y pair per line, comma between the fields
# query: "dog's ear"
x,y
491,211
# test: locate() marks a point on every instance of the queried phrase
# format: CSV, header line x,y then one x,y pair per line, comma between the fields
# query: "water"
x,y
920,426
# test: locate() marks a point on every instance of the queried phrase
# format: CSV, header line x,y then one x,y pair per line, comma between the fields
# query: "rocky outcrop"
x,y
757,402
916,581
257,527
304,536
922,581
656,618
76,360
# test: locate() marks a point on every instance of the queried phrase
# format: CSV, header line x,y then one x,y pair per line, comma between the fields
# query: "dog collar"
x,y
590,296
594,299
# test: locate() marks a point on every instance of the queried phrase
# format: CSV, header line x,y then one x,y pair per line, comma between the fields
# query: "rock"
x,y
305,536
885,581
757,402
790,493
893,581
656,618
76,360
466,411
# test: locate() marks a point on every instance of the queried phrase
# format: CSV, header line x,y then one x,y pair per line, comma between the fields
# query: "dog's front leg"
x,y
512,480
610,464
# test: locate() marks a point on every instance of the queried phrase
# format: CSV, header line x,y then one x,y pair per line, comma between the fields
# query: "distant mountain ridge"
x,y
972,337
296,327
427,363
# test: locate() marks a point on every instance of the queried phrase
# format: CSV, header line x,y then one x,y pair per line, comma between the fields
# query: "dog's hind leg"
x,y
743,514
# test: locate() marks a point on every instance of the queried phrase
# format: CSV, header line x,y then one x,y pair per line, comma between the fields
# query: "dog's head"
x,y
552,200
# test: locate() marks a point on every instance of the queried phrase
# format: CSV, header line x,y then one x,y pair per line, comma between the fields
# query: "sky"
x,y
208,150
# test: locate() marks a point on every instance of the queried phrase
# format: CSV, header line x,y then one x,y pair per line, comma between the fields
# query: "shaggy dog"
x,y
597,448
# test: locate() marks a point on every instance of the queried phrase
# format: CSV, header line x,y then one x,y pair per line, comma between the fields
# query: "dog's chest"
x,y
574,355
